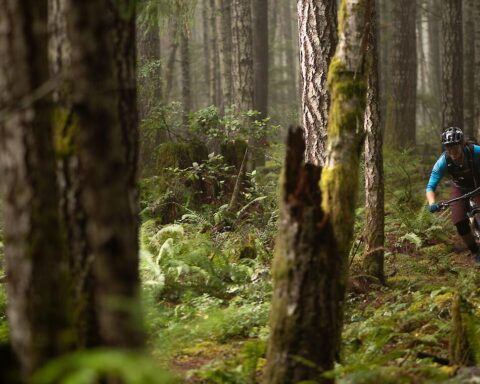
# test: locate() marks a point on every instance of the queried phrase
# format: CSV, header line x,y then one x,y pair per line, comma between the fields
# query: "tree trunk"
x,y
70,183
452,66
186,79
207,58
384,53
310,266
260,66
273,89
260,55
421,70
401,105
348,87
242,61
215,59
305,297
477,70
317,23
149,54
104,96
374,180
469,67
224,8
36,261
171,62
435,70
289,70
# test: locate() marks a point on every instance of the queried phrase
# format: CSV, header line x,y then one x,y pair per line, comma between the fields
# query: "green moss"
x,y
64,127
348,92
464,344
233,152
181,155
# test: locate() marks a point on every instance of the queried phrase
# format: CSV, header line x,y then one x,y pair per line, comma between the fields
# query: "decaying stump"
x,y
306,295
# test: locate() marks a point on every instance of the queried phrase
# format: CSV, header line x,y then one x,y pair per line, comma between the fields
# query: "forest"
x,y
239,191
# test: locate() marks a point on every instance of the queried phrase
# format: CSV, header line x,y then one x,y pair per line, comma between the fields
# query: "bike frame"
x,y
473,212
445,204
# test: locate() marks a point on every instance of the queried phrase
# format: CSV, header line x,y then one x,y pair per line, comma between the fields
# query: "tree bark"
x,y
224,8
70,182
452,65
207,55
104,95
149,54
317,23
242,60
385,57
260,56
305,296
171,62
435,70
186,79
477,70
347,78
469,67
289,70
261,68
215,59
374,179
36,262
421,69
401,105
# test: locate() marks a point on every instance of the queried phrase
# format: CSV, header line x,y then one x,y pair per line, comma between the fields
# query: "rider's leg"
x,y
461,222
463,229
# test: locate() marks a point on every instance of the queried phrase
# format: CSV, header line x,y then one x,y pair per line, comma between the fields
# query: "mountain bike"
x,y
473,212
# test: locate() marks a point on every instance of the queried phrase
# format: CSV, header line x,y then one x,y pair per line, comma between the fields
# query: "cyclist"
x,y
462,162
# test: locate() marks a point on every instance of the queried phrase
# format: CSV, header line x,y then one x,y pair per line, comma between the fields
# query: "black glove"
x,y
434,207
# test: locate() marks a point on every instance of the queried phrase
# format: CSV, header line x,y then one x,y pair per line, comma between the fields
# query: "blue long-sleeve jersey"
x,y
440,168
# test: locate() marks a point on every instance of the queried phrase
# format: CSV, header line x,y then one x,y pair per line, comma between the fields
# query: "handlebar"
x,y
445,204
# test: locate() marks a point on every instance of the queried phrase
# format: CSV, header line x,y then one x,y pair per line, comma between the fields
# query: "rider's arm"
x,y
430,197
476,155
438,172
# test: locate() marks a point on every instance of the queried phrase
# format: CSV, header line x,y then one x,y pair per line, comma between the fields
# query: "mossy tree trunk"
x,y
306,294
452,64
464,348
348,86
36,261
401,104
317,27
70,183
374,189
104,98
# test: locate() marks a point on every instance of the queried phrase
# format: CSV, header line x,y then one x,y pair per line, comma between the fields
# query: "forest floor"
x,y
398,333
207,291
393,333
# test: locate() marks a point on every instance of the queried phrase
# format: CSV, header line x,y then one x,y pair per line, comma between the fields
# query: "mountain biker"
x,y
462,162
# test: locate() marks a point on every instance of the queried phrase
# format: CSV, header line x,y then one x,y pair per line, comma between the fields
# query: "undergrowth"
x,y
208,290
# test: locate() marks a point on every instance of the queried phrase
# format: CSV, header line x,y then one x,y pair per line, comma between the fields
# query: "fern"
x,y
411,238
